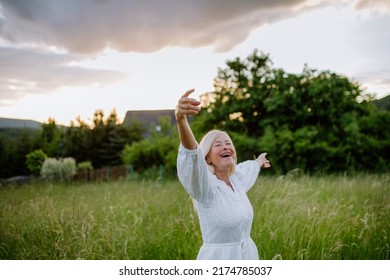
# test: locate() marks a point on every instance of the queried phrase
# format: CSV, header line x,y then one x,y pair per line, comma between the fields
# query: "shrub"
x,y
58,169
152,153
84,166
34,161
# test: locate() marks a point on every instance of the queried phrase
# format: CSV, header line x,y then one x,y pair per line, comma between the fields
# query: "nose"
x,y
225,146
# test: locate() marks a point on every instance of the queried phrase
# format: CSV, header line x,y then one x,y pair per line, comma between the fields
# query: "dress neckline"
x,y
230,186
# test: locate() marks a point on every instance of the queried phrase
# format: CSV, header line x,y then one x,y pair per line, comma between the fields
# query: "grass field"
x,y
296,217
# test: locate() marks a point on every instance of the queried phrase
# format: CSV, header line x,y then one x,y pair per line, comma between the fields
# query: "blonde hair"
x,y
207,142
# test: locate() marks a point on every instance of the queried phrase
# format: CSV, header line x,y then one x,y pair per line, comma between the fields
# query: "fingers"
x,y
188,92
266,165
187,105
188,108
186,100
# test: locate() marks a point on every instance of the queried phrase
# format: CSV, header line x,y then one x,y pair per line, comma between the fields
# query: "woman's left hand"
x,y
263,161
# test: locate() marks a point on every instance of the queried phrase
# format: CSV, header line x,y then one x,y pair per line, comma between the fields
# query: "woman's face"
x,y
222,154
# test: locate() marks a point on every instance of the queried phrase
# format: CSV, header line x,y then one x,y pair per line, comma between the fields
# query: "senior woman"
x,y
210,174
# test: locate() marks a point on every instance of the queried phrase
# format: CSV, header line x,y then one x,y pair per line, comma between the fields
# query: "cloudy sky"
x,y
64,59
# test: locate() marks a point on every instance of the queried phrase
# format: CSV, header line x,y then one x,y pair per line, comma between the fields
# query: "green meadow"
x,y
329,217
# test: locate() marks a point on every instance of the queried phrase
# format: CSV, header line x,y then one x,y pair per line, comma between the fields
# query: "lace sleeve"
x,y
194,175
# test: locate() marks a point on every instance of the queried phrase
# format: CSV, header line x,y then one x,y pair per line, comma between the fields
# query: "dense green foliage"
x,y
35,160
101,144
158,150
317,121
295,217
15,144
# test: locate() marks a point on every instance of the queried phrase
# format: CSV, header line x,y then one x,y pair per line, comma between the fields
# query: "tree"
x,y
160,149
15,144
75,140
309,120
374,141
51,138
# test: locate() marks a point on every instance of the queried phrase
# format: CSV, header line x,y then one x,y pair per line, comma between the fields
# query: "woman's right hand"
x,y
187,106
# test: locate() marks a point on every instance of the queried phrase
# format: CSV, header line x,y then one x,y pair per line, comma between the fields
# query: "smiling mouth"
x,y
224,155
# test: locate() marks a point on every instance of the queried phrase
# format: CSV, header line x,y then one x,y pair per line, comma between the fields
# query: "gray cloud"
x,y
369,41
143,26
32,71
32,28
82,28
381,6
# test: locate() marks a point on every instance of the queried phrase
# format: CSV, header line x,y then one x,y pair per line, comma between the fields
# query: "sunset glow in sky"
x,y
64,59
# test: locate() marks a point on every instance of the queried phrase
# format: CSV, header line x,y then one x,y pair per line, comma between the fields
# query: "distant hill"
x,y
383,103
16,123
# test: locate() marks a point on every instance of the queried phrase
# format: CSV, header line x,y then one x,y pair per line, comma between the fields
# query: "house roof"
x,y
148,117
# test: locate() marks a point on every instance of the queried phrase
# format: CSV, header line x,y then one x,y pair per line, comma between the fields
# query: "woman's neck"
x,y
224,176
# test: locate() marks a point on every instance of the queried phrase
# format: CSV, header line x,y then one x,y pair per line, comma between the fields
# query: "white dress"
x,y
225,215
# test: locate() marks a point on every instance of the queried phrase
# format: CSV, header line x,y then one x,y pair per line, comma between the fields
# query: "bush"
x,y
84,166
152,153
34,161
58,169
157,151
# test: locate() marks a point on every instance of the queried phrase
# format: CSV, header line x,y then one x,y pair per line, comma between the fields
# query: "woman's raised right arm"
x,y
186,106
191,166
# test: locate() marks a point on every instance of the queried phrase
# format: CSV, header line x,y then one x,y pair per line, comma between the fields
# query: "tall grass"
x,y
296,217
329,217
